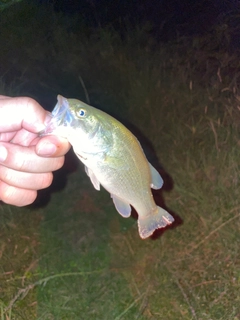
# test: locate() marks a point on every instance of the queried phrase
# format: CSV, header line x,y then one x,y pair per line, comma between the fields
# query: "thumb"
x,y
52,146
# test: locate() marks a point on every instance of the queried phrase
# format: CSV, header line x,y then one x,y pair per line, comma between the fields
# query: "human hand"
x,y
26,160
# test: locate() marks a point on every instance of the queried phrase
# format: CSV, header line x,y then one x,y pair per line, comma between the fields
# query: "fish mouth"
x,y
61,117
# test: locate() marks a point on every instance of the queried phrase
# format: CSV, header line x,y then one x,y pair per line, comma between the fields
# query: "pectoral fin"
x,y
157,181
93,178
122,207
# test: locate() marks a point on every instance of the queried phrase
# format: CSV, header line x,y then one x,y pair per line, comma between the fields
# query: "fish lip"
x,y
61,113
61,117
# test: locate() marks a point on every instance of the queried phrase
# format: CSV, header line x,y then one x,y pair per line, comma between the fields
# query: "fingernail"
x,y
3,153
46,149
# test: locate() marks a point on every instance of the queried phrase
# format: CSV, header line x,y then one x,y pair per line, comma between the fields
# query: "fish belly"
x,y
129,182
125,173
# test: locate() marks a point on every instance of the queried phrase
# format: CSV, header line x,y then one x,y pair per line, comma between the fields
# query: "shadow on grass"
x,y
168,181
72,163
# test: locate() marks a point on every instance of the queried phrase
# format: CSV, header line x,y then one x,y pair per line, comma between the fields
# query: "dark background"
x,y
36,53
166,19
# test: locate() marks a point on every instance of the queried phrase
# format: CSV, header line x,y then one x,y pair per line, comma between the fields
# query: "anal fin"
x,y
121,206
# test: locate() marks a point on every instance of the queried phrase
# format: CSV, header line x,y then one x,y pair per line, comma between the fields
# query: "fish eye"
x,y
81,113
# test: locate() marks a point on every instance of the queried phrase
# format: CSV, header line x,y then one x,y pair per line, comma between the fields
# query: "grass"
x,y
71,256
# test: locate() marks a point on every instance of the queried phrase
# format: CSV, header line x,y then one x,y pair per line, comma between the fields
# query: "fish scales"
x,y
132,179
113,158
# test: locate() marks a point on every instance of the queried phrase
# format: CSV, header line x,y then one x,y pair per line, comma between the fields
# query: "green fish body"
x,y
113,158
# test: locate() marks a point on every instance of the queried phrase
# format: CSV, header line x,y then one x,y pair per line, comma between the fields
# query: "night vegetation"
x,y
70,255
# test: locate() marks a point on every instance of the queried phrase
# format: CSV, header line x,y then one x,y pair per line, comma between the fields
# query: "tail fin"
x,y
148,225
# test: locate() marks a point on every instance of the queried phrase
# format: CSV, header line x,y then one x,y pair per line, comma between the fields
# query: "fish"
x,y
113,158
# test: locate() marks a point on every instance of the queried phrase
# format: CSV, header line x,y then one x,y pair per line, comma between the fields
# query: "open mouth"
x,y
61,117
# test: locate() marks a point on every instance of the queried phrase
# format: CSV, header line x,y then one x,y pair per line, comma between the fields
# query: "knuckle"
x,y
30,103
17,163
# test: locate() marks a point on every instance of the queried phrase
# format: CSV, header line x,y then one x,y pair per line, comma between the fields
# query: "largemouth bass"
x,y
113,158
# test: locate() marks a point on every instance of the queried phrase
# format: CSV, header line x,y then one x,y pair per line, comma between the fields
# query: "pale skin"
x,y
26,160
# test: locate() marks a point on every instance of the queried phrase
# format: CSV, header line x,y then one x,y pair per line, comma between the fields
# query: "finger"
x,y
24,112
16,196
25,159
4,97
23,137
52,146
7,136
25,180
